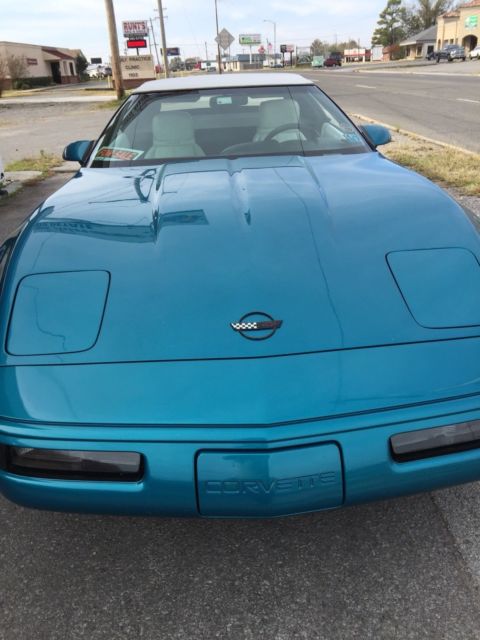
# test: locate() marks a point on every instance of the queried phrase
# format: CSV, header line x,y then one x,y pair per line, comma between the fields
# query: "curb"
x,y
22,176
412,134
10,189
420,73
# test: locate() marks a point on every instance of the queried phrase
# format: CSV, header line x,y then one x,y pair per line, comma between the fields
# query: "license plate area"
x,y
269,483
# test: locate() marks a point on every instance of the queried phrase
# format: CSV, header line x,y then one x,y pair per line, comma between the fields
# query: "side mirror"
x,y
377,134
77,151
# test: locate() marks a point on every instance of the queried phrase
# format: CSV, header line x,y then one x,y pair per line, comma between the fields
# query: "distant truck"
x,y
450,53
334,59
318,62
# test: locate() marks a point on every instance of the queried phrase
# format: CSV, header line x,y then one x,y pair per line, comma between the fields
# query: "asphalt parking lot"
x,y
404,569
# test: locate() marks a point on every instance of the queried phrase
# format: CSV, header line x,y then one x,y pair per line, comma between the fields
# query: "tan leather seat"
x,y
275,113
173,137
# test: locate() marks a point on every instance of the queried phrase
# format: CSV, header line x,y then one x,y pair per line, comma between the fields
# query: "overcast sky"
x,y
82,23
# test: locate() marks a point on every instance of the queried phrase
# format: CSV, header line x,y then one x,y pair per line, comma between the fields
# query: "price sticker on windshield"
x,y
118,153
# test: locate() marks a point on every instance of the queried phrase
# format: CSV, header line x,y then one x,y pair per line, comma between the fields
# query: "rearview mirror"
x,y
377,134
77,151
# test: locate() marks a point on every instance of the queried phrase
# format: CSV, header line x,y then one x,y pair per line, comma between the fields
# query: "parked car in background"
x,y
334,59
474,54
96,71
238,307
450,53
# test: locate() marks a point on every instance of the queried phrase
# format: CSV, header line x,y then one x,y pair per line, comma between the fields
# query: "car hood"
x,y
192,247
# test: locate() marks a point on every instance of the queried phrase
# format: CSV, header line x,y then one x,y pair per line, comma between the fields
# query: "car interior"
x,y
199,124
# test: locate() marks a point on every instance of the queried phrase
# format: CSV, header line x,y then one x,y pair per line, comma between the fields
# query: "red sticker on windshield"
x,y
112,153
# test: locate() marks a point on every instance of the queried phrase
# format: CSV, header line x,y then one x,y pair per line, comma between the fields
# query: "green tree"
x,y
190,63
81,63
391,24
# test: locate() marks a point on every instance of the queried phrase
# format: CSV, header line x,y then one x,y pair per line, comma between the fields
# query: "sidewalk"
x,y
55,99
18,207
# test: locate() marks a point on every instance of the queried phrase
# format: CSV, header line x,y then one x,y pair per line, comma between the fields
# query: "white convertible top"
x,y
223,81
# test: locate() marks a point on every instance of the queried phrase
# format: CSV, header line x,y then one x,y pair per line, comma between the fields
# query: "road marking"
x,y
364,86
467,100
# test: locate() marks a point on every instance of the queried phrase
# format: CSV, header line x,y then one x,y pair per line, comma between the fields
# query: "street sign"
x,y
95,60
173,51
224,39
250,39
135,29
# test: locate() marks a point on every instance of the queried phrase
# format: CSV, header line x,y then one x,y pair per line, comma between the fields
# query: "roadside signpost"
x,y
139,43
135,29
137,69
225,39
287,48
250,40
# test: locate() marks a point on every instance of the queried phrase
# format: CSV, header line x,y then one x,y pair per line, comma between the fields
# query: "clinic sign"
x,y
135,29
250,39
137,67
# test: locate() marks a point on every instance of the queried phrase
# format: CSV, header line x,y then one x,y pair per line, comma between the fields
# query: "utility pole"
x,y
164,39
274,40
114,51
155,43
219,54
274,43
206,52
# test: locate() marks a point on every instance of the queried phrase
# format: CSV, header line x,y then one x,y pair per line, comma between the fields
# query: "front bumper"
x,y
245,472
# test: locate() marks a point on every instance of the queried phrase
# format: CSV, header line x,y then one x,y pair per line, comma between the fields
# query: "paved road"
x,y
408,569
443,107
27,129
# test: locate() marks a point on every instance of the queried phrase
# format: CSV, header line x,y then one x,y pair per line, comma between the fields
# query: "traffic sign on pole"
x,y
224,39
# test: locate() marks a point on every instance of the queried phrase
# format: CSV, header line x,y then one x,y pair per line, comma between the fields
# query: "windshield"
x,y
152,128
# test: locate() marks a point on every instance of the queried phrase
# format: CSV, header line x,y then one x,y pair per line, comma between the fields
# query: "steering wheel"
x,y
290,126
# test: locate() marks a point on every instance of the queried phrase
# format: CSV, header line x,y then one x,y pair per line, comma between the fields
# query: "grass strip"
x,y
45,162
449,167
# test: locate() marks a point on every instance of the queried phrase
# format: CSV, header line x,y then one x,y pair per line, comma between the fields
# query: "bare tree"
x,y
3,74
17,68
424,14
430,10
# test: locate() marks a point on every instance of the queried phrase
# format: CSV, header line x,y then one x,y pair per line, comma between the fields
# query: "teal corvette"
x,y
238,308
